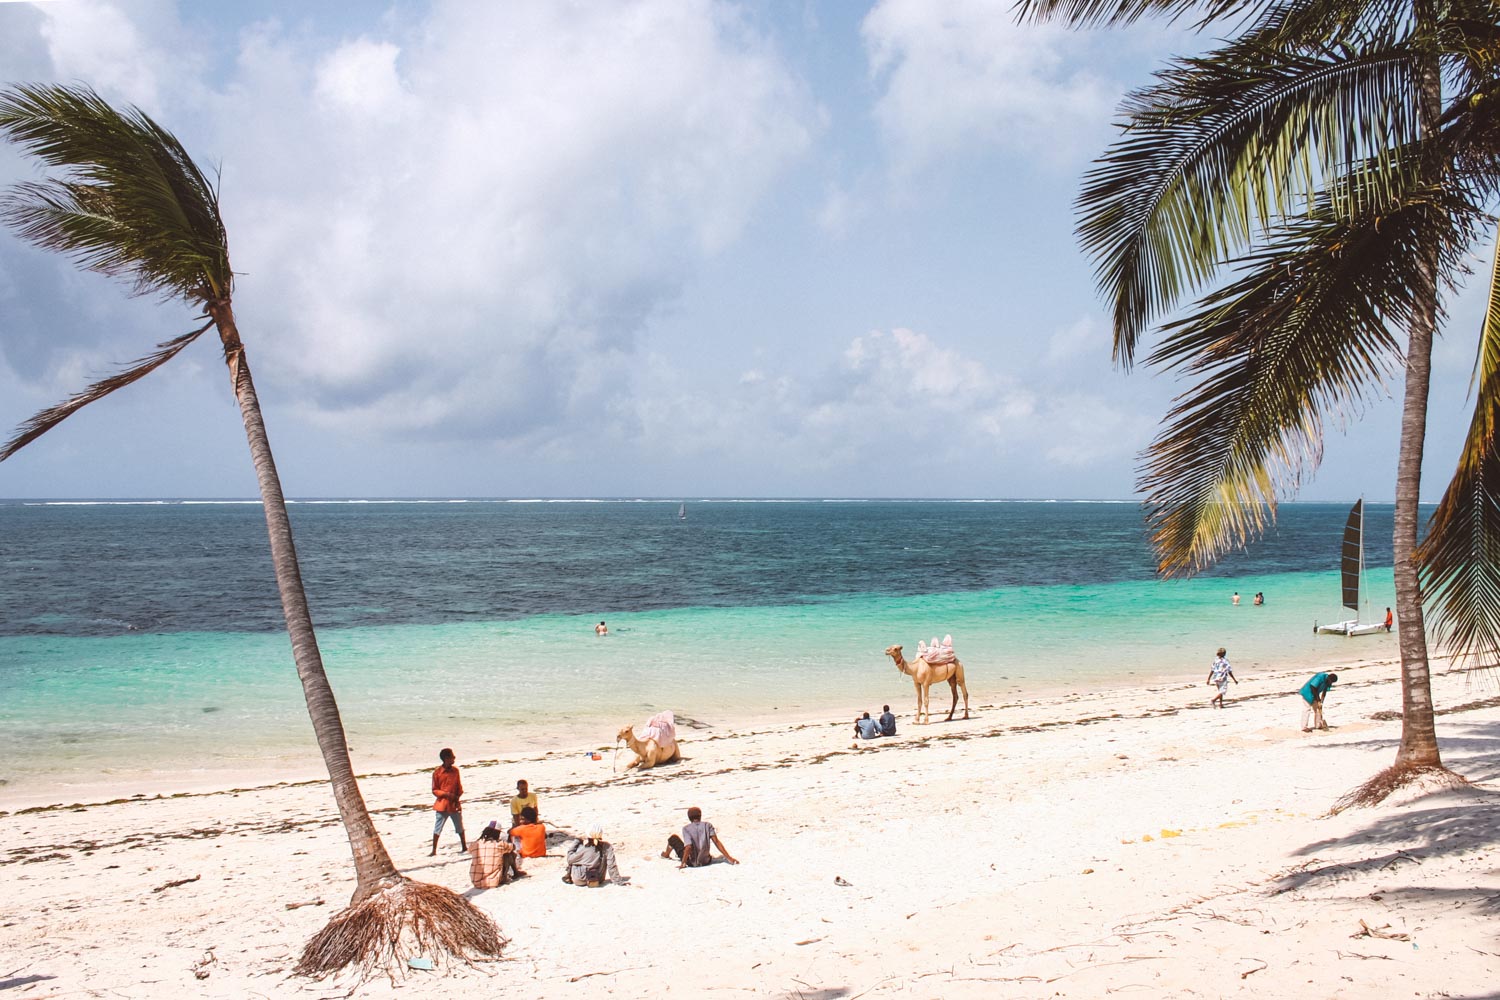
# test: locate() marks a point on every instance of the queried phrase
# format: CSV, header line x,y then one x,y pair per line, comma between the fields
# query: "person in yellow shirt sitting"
x,y
524,797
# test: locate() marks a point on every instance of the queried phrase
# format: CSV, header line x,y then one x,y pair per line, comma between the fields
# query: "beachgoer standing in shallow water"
x,y
1313,693
1220,675
1390,619
601,629
1235,600
447,790
1259,599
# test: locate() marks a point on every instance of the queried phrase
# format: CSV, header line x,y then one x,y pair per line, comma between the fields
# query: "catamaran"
x,y
1353,566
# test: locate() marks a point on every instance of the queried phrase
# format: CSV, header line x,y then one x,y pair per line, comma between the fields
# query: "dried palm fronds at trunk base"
x,y
1419,778
403,920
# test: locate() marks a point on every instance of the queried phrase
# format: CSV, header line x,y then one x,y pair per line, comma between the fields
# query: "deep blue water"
x,y
109,568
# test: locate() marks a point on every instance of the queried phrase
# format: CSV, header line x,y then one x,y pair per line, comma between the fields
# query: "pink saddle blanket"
x,y
662,727
939,652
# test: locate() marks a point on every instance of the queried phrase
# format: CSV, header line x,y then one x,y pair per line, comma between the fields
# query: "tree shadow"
x,y
15,981
1475,895
1472,749
1456,823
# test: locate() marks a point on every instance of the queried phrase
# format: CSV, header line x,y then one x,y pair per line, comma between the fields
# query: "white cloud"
x,y
459,227
962,74
138,52
460,230
1086,337
360,78
900,413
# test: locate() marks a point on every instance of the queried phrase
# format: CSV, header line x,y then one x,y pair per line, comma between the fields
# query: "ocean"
x,y
143,641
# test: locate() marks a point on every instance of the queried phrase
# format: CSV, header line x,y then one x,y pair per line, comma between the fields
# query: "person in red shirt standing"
x,y
447,790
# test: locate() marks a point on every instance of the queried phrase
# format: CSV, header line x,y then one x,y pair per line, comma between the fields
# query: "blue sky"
x,y
650,249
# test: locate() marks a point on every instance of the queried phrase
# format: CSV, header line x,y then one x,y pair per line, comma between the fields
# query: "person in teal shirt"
x,y
1313,693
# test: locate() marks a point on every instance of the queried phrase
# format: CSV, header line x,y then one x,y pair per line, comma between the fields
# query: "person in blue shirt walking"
x,y
1313,692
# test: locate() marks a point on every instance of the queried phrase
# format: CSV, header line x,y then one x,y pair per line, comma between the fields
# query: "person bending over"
x,y
591,861
1313,693
692,848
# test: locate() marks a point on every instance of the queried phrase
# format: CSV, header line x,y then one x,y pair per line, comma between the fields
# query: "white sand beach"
x,y
1110,842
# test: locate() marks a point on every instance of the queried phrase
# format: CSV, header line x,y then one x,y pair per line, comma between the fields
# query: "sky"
x,y
664,248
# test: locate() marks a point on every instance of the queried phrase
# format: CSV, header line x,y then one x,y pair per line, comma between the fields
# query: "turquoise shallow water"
x,y
142,642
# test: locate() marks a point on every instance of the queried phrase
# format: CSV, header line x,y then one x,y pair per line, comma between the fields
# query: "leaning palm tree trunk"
x,y
131,203
390,916
372,864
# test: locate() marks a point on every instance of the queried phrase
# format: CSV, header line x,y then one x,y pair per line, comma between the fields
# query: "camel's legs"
x,y
959,676
953,687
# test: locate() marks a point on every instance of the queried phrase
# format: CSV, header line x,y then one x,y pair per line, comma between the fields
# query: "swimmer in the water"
x,y
601,629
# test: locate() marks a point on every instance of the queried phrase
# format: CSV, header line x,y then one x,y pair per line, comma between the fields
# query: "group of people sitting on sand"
x,y
497,856
866,728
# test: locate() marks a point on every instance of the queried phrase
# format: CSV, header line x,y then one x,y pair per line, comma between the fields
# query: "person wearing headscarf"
x,y
591,861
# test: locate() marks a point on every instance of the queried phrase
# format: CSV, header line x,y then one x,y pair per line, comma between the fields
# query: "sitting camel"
x,y
659,746
924,675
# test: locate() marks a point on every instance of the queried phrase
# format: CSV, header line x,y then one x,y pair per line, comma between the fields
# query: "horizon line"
x,y
617,498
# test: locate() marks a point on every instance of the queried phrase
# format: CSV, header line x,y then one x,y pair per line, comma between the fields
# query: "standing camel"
x,y
924,675
659,746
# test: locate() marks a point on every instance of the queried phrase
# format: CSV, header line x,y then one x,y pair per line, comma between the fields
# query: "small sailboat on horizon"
x,y
1352,565
682,511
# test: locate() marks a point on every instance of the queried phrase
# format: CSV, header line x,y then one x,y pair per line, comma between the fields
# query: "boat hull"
x,y
1350,628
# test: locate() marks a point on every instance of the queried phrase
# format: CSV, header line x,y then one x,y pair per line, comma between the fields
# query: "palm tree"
x,y
133,204
1313,175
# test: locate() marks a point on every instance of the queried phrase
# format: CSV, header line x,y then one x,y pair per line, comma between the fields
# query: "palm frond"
x,y
131,201
1221,147
1460,557
1469,140
52,416
1305,334
1299,24
1118,13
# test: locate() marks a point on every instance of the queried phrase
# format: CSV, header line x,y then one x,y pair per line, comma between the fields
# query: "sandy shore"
x,y
1133,842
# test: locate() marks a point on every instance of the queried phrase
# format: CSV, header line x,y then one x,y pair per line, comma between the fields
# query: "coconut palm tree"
x,y
1313,175
131,203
